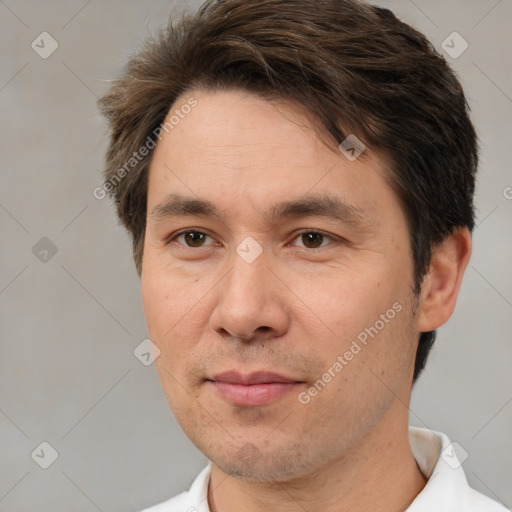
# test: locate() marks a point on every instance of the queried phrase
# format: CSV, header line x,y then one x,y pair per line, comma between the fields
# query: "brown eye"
x,y
312,240
194,238
190,238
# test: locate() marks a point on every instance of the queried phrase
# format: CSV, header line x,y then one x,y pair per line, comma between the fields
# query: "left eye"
x,y
313,239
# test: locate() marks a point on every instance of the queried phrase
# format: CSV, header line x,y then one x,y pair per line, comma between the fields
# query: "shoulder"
x,y
193,500
179,503
478,502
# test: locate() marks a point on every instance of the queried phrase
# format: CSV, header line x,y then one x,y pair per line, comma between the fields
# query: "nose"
x,y
250,302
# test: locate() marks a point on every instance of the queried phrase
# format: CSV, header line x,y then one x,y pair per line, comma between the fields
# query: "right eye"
x,y
191,238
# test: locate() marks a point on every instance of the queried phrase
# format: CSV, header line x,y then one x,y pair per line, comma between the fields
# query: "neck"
x,y
379,473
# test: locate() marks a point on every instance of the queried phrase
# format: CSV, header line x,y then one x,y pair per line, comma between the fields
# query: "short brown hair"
x,y
356,68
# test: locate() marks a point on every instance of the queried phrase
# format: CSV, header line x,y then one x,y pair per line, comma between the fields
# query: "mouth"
x,y
254,389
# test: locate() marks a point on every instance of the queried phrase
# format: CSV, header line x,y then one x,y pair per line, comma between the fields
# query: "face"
x,y
285,266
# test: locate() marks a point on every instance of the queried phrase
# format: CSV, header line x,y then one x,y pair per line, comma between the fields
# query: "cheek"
x,y
165,316
175,318
364,318
365,368
166,297
155,302
345,301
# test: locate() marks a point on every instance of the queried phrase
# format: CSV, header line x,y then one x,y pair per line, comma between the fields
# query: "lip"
x,y
261,377
254,389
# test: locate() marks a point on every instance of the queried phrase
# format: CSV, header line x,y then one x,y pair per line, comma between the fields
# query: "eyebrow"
x,y
328,206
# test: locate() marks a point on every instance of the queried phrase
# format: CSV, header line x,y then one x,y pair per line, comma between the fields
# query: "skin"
x,y
293,310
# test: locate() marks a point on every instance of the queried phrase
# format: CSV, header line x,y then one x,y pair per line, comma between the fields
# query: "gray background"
x,y
69,325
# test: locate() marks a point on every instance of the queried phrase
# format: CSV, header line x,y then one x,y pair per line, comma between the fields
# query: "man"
x,y
298,180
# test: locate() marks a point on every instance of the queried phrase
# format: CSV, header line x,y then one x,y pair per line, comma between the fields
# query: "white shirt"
x,y
447,489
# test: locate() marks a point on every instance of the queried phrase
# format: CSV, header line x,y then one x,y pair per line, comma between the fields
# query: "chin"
x,y
255,463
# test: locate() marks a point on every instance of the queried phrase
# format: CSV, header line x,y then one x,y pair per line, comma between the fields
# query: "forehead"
x,y
231,123
236,147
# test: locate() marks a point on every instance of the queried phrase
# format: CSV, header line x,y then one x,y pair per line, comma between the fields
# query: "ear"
x,y
441,285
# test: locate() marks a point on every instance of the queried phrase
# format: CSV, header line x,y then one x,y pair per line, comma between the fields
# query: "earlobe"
x,y
442,283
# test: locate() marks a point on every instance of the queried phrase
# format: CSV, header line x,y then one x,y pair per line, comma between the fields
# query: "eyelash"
x,y
186,231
